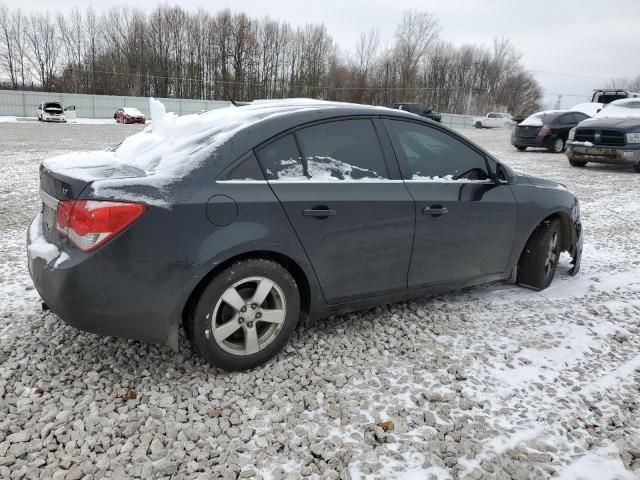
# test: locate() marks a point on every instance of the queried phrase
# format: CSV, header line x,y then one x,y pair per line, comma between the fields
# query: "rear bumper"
x,y
92,292
614,155
540,142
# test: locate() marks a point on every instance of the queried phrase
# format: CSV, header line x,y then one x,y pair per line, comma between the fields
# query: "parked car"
x,y
494,120
129,115
235,222
418,110
548,129
54,112
611,136
608,95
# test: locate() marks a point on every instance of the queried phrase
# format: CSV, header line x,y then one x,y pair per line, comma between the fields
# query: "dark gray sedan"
x,y
235,222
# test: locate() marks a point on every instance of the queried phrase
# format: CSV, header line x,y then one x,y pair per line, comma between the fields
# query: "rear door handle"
x,y
435,210
318,212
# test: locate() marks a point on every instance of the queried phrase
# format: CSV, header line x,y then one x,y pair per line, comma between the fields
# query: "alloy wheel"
x,y
248,316
558,146
552,255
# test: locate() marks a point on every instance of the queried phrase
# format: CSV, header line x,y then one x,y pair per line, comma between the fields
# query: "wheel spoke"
x,y
251,341
262,290
272,316
233,299
226,330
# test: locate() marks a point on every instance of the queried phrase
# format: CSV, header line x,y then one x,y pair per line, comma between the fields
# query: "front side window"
x,y
433,155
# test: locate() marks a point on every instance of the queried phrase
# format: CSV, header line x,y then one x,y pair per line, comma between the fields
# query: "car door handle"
x,y
318,212
435,210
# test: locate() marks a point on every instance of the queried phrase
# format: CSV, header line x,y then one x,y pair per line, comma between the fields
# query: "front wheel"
x,y
246,315
520,148
478,125
577,163
636,167
539,260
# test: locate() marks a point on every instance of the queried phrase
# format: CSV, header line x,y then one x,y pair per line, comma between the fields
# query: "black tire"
x,y
478,125
577,163
521,148
636,167
536,269
558,145
200,324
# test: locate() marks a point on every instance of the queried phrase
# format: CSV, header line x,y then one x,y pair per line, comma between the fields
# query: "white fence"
x,y
18,103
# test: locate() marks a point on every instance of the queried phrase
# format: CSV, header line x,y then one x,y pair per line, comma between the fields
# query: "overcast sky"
x,y
573,46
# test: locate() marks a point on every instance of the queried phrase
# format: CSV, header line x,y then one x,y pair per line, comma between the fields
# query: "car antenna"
x,y
228,95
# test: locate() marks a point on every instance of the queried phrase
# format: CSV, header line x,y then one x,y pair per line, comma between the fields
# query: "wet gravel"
x,y
491,382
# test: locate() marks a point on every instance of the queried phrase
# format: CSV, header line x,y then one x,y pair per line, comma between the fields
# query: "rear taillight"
x,y
91,223
543,131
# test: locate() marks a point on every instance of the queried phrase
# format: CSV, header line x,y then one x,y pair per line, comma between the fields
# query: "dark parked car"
x,y
278,209
612,136
129,115
418,110
548,130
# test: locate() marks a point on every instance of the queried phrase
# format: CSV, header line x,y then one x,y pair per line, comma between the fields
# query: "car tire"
x,y
577,163
539,260
245,339
521,148
478,125
636,167
558,145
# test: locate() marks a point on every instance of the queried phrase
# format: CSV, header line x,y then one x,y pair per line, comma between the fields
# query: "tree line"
x,y
172,52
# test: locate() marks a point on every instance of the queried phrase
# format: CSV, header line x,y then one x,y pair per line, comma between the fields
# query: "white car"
x,y
55,112
494,120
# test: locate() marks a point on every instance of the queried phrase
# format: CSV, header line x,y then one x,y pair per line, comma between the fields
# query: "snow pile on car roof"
x,y
170,148
623,108
132,111
537,119
588,108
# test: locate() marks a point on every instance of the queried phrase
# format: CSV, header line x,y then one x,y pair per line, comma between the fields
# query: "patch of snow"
x,y
40,247
445,179
584,144
323,169
64,256
600,464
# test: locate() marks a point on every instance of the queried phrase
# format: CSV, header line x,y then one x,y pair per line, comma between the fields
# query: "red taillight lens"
x,y
91,223
543,131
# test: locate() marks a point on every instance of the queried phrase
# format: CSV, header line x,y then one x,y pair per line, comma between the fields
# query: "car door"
x,y
347,204
70,112
465,221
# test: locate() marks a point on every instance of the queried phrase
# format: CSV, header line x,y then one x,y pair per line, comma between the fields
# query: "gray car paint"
x,y
139,284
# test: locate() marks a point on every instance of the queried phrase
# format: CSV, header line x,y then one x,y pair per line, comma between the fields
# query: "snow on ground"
x,y
495,381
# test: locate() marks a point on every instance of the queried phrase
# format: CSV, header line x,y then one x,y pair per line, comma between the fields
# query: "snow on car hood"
x,y
588,108
167,150
132,112
623,108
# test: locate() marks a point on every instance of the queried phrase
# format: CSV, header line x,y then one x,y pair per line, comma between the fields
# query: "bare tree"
x,y
42,37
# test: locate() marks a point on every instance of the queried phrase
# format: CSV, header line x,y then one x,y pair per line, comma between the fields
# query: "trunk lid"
x,y
528,131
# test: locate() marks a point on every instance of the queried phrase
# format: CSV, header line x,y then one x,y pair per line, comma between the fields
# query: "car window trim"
x,y
404,167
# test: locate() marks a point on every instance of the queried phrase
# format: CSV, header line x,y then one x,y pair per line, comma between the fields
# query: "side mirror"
x,y
502,174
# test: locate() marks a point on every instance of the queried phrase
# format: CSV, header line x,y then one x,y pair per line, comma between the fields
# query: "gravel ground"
x,y
491,382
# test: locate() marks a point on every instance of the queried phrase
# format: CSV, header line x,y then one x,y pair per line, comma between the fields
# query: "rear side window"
x,y
342,150
435,155
281,160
